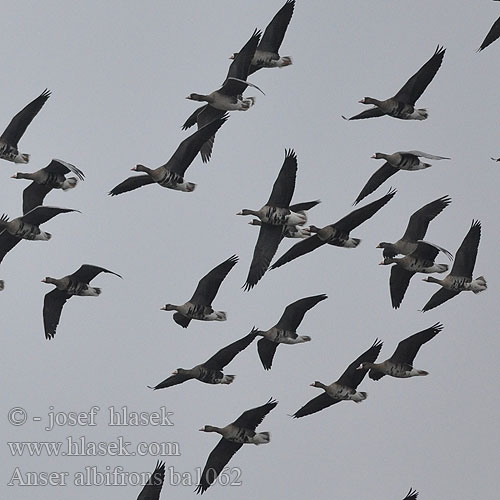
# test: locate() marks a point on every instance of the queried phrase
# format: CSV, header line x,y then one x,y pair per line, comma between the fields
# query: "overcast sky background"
x,y
119,73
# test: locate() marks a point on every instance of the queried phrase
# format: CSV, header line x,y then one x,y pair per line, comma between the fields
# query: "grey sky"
x,y
119,73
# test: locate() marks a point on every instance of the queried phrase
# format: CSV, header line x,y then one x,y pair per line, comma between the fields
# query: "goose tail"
x,y
69,183
359,397
228,379
221,316
22,158
352,243
479,284
262,438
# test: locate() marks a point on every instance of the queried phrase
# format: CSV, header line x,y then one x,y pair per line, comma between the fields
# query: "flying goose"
x,y
400,364
285,330
228,97
496,159
460,277
199,306
267,52
234,435
210,371
344,388
53,176
274,217
152,488
336,234
401,160
269,239
294,231
492,35
26,227
16,128
171,174
277,211
421,260
402,105
416,229
66,287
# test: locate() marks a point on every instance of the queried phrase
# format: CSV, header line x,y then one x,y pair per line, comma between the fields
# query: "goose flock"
x,y
285,235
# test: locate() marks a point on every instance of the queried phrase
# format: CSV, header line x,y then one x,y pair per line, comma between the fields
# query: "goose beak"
x,y
378,246
373,156
381,263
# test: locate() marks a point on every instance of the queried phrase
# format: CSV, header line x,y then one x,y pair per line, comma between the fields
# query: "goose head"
x,y
387,261
179,371
319,384
365,366
48,279
141,168
369,100
21,175
246,211
431,279
196,97
210,428
169,307
378,156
